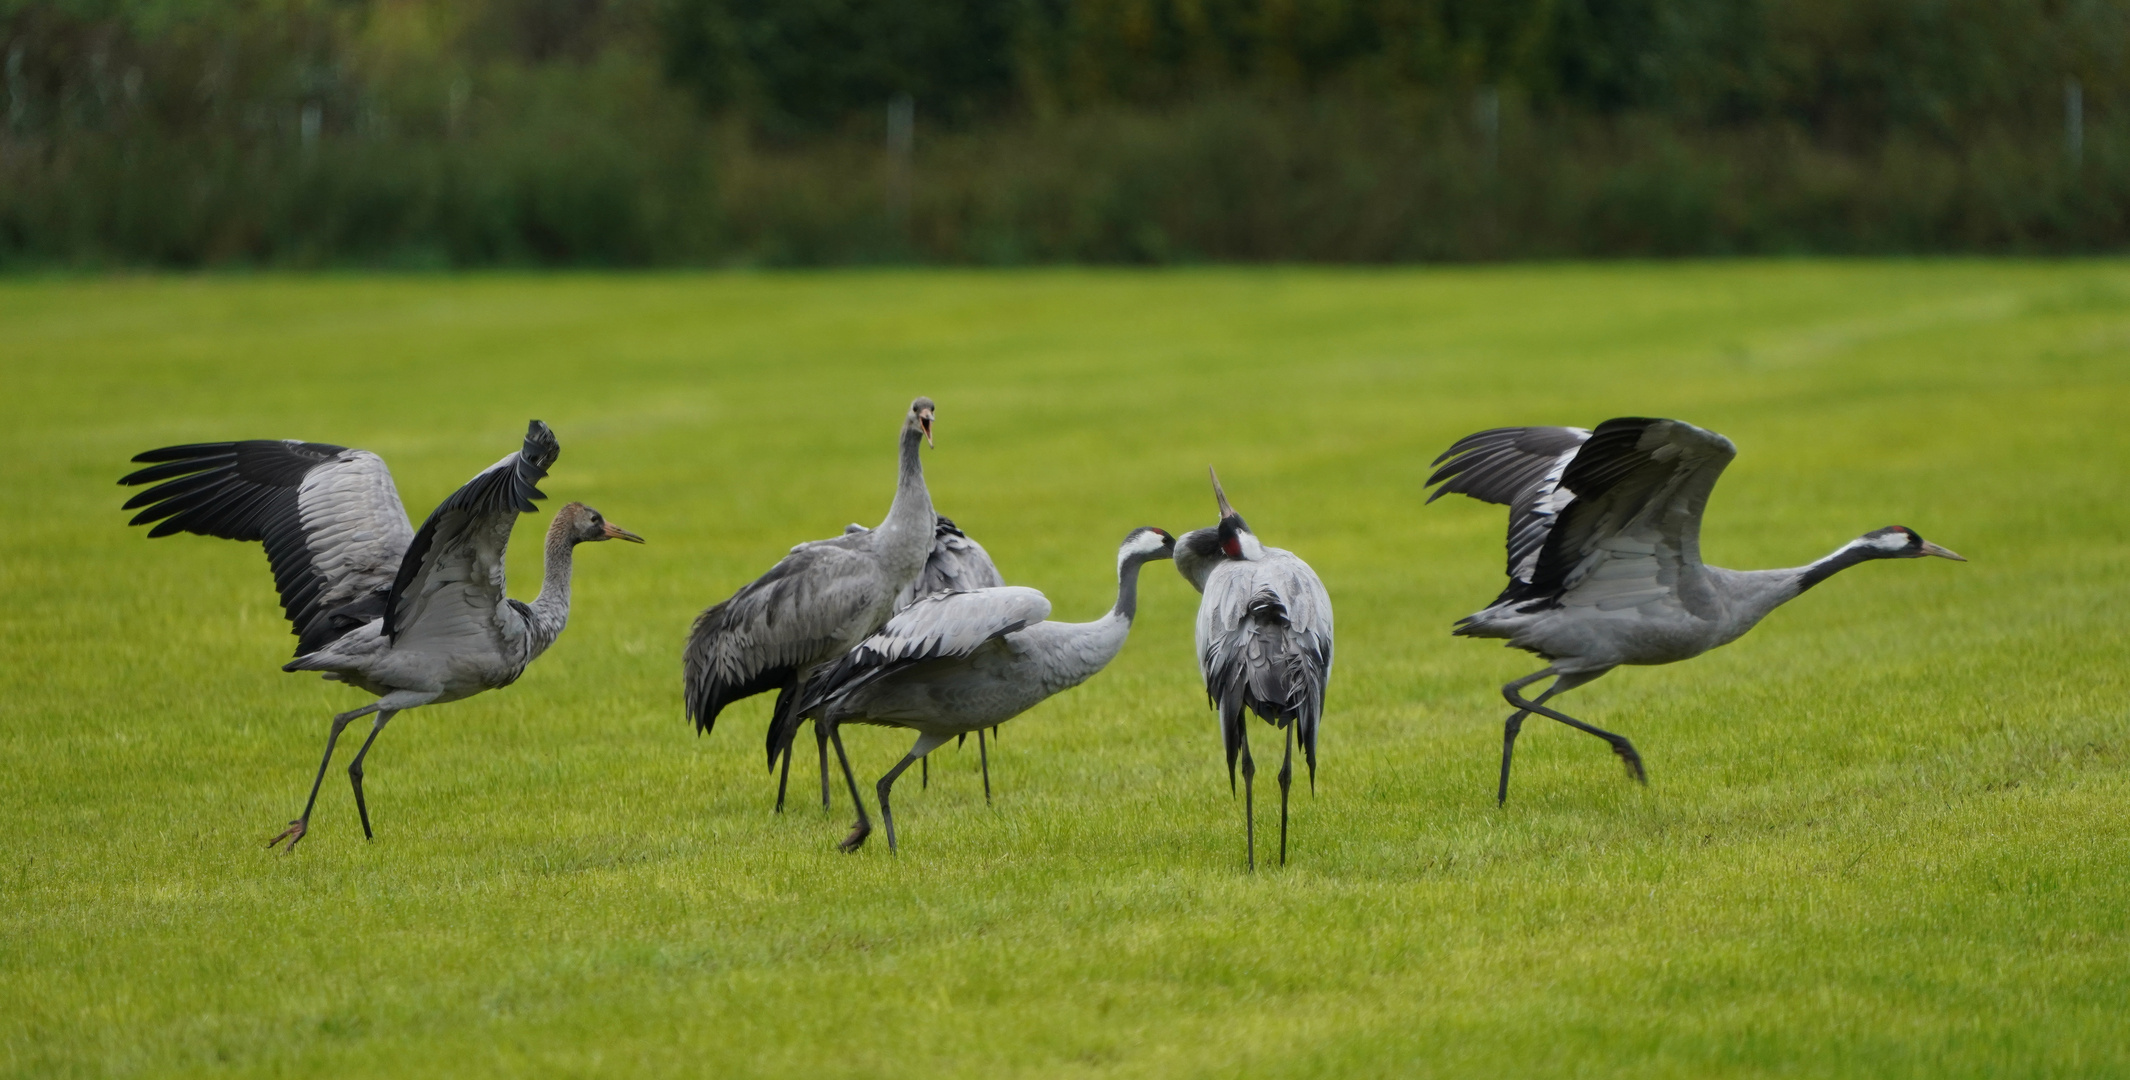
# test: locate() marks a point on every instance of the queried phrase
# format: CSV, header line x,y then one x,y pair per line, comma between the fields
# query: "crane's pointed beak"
x,y
1219,495
611,531
924,420
1943,553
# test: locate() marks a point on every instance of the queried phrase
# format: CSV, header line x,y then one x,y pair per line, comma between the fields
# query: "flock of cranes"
x,y
909,624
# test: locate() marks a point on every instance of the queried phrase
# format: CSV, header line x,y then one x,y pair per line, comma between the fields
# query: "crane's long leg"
x,y
821,752
384,716
781,731
1286,780
1514,725
925,769
1249,786
863,827
1619,743
984,756
301,825
925,745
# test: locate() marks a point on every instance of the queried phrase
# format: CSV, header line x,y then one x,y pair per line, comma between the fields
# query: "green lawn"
x,y
1886,834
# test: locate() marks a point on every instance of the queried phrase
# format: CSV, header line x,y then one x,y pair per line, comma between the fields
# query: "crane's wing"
x,y
1519,468
785,620
850,530
1630,531
451,582
941,625
1264,644
329,516
957,564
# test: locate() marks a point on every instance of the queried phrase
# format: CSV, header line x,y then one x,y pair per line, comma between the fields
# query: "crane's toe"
x,y
293,833
856,839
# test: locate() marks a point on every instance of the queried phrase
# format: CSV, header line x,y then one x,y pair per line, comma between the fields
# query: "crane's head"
x,y
1236,539
920,419
1145,544
1899,542
1229,541
584,525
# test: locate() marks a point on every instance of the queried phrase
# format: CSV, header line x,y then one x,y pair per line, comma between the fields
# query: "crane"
x,y
1264,645
818,601
955,662
957,564
416,618
1605,556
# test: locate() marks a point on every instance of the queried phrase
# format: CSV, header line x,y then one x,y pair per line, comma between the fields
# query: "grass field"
x,y
1886,834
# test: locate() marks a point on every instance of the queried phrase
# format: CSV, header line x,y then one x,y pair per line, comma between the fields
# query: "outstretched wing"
x,y
451,582
941,625
790,618
1631,531
1264,644
1519,468
330,519
957,564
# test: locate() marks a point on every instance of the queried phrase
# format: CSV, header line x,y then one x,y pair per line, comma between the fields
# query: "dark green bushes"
x,y
612,132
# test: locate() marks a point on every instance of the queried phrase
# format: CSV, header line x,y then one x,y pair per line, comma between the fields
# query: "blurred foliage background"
x,y
420,133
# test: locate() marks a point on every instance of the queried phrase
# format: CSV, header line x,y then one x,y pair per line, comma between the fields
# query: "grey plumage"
x,y
957,563
1605,555
1264,637
813,606
956,662
417,618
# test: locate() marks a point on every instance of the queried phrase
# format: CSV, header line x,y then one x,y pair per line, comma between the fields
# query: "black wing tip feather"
x,y
1499,465
1471,442
245,490
182,452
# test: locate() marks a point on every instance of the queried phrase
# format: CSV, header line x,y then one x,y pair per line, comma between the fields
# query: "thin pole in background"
x,y
2074,121
901,140
1486,113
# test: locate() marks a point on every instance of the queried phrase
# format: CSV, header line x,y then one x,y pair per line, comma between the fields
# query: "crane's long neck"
x,y
550,610
1127,589
1842,558
906,535
1071,653
1749,595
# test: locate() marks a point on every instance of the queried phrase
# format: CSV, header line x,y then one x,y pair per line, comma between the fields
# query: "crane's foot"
x,y
293,833
1632,760
856,839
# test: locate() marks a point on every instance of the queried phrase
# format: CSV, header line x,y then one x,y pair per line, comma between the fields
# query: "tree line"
x,y
638,132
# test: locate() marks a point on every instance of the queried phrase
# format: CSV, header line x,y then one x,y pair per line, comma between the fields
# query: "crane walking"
x,y
1605,556
1264,645
818,601
956,662
417,618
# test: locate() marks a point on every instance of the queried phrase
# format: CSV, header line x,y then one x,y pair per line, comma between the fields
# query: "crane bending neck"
x,y
1127,588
